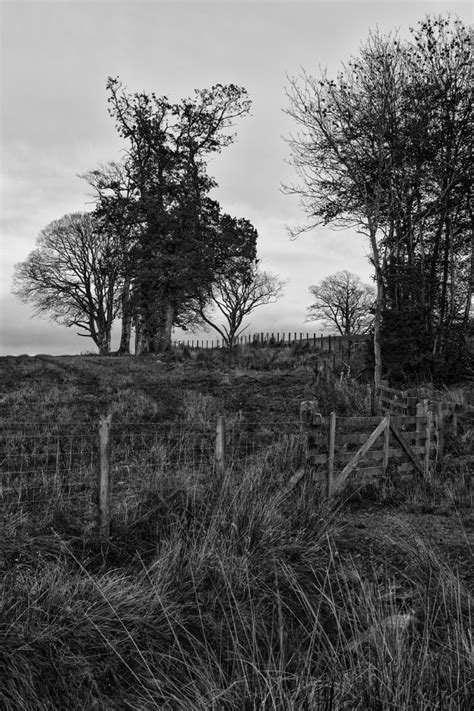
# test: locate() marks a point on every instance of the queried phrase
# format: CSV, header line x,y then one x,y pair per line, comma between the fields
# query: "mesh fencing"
x,y
47,465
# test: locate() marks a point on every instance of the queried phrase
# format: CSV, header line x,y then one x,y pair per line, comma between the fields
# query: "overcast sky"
x,y
55,59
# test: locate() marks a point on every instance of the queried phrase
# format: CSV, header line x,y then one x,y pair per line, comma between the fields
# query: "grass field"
x,y
219,593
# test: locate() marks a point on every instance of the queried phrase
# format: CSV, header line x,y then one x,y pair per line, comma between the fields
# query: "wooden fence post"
x,y
429,428
370,399
420,413
104,475
386,443
331,444
220,446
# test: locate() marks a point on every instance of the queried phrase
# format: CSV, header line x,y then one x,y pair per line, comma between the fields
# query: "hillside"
x,y
225,594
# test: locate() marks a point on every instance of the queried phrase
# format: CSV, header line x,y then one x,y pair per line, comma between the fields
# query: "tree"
x,y
74,276
235,295
342,300
384,148
114,207
177,249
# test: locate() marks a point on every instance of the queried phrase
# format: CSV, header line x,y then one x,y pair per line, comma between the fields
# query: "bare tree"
x,y
235,296
342,300
113,191
382,147
73,276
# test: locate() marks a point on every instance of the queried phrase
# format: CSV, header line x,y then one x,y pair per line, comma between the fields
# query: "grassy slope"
x,y
225,595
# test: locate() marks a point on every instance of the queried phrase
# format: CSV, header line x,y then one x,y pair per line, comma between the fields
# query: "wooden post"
x,y
420,413
369,400
331,444
329,343
429,428
321,342
386,443
314,340
220,440
383,384
104,475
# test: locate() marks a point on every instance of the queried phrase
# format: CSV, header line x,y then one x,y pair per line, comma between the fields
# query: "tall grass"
x,y
216,594
230,597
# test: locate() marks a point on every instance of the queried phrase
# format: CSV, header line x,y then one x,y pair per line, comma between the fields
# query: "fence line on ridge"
x,y
329,342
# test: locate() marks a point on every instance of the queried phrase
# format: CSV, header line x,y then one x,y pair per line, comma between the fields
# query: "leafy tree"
x,y
343,301
383,148
177,249
235,294
74,276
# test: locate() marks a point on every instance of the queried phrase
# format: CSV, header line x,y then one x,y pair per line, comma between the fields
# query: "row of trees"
x,y
157,251
385,147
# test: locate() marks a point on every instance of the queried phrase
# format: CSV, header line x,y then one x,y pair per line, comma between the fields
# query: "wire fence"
x,y
50,462
55,466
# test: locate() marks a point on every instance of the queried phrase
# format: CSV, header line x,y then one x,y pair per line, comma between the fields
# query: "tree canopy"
x,y
341,300
73,276
179,233
384,147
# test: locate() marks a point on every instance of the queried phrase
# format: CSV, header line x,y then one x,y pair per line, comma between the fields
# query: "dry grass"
x,y
224,595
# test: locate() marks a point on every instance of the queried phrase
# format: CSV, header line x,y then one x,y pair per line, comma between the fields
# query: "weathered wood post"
x,y
383,384
369,400
331,445
310,421
420,414
220,446
386,443
104,475
429,429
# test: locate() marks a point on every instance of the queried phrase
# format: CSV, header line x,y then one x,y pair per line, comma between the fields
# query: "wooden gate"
x,y
347,446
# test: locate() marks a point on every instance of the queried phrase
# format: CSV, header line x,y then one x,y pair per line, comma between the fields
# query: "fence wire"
x,y
52,466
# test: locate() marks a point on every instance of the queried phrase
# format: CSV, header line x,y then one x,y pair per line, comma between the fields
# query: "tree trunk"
x,y
377,328
103,342
162,338
379,266
124,348
140,341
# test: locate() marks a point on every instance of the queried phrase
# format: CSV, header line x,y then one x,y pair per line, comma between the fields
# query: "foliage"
x,y
178,241
385,147
74,275
342,300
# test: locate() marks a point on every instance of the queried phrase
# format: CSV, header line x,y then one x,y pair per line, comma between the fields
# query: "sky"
x,y
55,58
